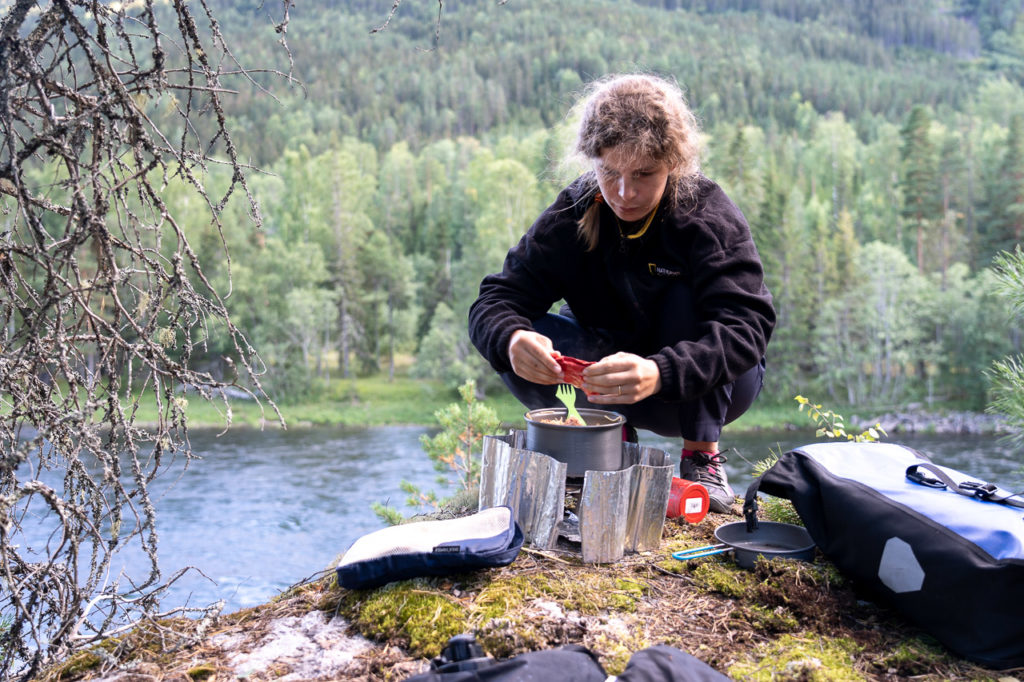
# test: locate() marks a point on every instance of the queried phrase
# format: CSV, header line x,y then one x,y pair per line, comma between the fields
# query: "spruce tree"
x,y
1013,176
921,207
1003,223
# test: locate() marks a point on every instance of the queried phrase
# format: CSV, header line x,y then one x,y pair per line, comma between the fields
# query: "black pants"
x,y
699,420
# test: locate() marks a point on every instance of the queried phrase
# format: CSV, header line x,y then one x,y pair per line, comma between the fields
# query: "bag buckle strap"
x,y
917,475
991,493
979,489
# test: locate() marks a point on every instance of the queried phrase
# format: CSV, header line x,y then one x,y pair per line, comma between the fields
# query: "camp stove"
x,y
601,514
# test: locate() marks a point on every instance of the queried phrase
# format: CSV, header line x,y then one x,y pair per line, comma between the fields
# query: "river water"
x,y
263,510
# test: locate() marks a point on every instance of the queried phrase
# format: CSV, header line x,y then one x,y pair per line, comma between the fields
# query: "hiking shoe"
x,y
706,468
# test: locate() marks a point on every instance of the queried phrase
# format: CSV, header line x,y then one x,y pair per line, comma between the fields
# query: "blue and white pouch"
x,y
486,539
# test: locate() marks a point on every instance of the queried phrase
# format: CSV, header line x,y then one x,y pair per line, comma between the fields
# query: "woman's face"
x,y
631,187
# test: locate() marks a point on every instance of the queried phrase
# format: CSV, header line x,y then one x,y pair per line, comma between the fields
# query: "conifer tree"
x,y
953,196
1008,374
1002,223
918,180
1012,174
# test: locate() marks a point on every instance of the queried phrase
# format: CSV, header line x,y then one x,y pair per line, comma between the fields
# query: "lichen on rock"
x,y
781,620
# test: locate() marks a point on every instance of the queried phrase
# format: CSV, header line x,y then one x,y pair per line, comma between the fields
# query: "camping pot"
x,y
770,540
597,446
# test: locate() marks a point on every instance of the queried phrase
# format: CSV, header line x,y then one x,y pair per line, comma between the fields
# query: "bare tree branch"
x,y
394,10
105,306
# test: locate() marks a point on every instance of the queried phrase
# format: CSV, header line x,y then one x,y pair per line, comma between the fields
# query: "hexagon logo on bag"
x,y
899,569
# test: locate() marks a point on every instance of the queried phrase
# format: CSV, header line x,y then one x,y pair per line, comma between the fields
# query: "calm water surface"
x,y
263,510
985,457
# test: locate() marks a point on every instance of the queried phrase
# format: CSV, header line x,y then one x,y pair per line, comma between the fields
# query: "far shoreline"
x,y
405,401
766,420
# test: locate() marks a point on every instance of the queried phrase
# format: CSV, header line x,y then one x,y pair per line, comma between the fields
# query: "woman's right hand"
x,y
533,357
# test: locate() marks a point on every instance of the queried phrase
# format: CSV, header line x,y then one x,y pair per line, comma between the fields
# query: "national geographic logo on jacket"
x,y
662,271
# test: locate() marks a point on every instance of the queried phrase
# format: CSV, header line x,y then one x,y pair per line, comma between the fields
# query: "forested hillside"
x,y
877,148
515,66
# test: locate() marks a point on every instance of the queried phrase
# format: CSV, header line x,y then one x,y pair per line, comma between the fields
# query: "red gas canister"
x,y
687,499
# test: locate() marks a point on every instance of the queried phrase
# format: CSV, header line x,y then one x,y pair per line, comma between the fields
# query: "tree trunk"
x,y
343,349
391,340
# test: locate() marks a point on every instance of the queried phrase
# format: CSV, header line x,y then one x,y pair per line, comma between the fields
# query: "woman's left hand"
x,y
622,378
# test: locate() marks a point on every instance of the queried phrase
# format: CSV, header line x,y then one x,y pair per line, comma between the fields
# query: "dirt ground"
x,y
782,620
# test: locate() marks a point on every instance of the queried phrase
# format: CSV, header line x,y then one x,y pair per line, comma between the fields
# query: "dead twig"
x,y
105,303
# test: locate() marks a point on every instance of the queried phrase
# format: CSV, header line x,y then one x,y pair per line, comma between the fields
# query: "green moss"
x,y
814,659
626,595
784,574
83,661
79,663
504,596
910,657
591,594
778,619
616,651
202,672
727,579
673,566
410,611
827,575
504,627
585,593
780,510
672,545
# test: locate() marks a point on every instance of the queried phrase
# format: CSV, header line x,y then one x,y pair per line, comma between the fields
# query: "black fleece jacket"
x,y
706,242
